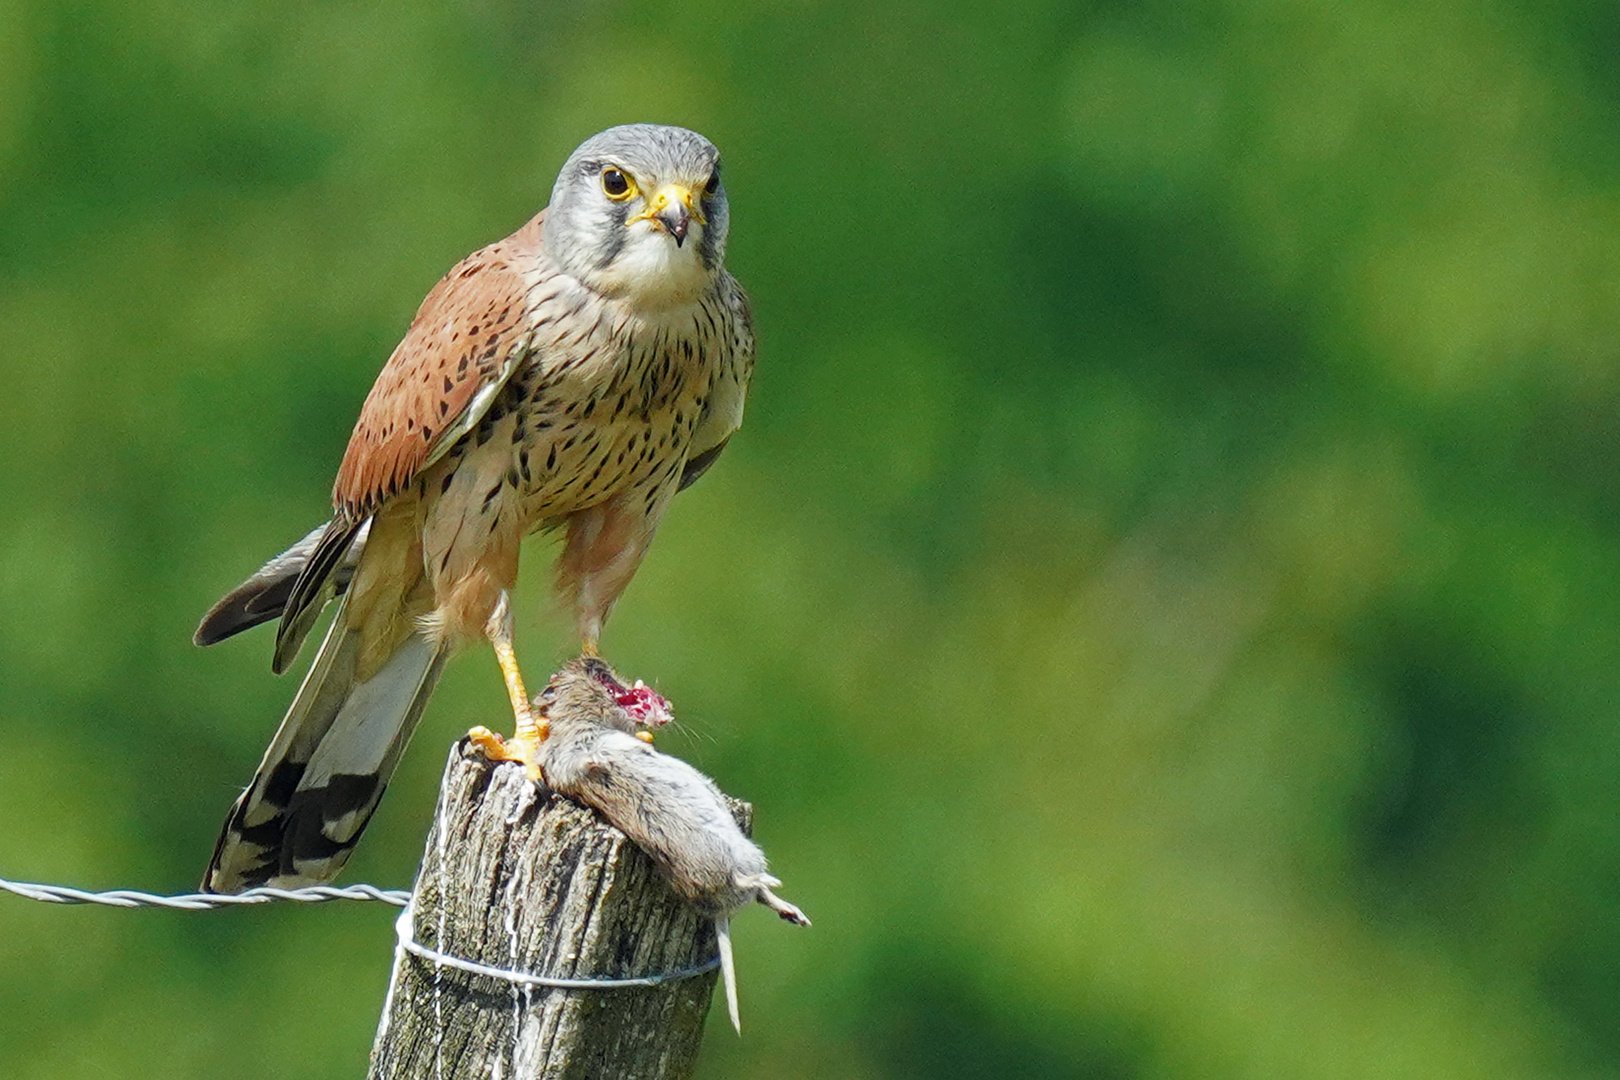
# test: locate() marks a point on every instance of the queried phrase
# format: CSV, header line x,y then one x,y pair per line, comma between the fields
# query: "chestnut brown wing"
x,y
468,336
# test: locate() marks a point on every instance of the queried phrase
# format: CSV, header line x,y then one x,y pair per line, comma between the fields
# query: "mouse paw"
x,y
789,912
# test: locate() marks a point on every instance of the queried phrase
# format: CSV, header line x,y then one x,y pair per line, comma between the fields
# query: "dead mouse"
x,y
596,752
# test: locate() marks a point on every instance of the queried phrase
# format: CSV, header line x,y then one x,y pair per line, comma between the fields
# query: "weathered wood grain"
x,y
518,878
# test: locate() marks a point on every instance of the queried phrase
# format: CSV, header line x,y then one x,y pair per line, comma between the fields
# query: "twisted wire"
x,y
320,894
406,931
131,898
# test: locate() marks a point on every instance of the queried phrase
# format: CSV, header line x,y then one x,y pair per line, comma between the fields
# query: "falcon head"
x,y
639,213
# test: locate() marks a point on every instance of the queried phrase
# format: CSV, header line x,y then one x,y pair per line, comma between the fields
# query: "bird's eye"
x,y
616,184
713,185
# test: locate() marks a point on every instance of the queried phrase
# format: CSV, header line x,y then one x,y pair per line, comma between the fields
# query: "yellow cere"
x,y
667,194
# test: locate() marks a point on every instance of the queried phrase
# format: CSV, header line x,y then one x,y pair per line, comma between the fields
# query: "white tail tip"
x,y
728,971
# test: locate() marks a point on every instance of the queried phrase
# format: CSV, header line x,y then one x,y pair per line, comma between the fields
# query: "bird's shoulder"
x,y
468,334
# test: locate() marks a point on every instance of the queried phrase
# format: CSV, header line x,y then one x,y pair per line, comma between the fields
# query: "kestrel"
x,y
572,376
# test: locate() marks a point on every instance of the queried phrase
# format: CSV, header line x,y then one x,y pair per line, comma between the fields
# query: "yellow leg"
x,y
522,710
524,745
587,647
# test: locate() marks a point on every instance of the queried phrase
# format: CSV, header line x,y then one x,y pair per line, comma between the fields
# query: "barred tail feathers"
x,y
327,766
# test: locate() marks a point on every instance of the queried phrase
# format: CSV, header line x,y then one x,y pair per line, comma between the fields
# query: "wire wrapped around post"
x,y
516,879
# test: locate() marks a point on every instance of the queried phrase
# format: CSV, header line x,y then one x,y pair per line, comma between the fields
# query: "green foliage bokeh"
x,y
1161,603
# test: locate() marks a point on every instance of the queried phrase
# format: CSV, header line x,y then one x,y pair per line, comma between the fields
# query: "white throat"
x,y
652,272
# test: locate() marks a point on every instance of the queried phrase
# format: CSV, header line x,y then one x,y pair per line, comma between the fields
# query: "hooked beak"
x,y
672,210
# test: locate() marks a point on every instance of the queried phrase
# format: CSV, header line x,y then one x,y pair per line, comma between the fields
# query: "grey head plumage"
x,y
639,211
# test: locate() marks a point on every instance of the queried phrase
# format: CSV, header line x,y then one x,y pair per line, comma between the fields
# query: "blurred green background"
x,y
1162,603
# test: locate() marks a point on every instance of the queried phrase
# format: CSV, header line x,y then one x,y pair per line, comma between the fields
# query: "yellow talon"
x,y
490,744
522,749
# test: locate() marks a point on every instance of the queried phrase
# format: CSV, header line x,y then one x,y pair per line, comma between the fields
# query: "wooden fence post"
x,y
517,878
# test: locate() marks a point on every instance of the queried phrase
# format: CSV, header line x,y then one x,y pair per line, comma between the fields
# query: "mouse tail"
x,y
728,970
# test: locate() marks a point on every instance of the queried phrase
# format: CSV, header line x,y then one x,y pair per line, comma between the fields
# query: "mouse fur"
x,y
594,753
